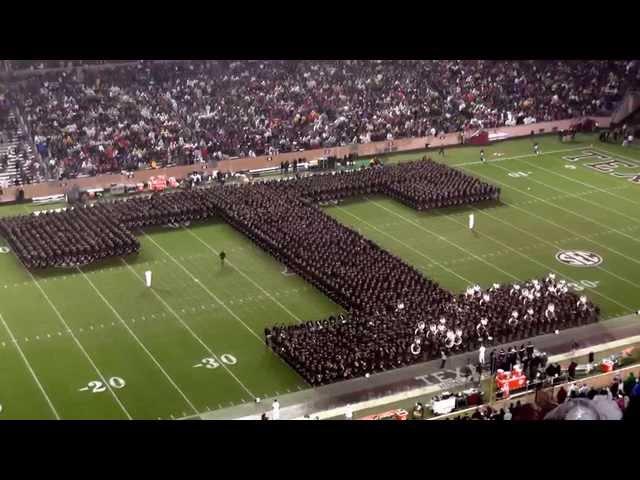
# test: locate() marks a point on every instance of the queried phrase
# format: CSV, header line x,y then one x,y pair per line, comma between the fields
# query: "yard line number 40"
x,y
519,174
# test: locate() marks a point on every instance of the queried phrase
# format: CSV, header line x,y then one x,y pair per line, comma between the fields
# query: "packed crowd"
x,y
381,337
395,315
185,112
86,234
422,185
17,162
43,241
68,238
19,65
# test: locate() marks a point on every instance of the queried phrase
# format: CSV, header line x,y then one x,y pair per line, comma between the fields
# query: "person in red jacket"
x,y
562,395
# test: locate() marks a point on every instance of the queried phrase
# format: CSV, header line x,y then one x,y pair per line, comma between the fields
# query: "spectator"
x,y
629,384
348,412
562,395
191,111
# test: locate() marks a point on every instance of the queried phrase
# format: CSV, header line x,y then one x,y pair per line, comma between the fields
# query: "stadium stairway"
x,y
12,172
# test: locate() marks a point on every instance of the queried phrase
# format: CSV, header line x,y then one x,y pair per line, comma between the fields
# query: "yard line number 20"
x,y
97,386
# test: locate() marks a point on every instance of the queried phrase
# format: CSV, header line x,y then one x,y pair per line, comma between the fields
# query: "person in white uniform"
x,y
481,354
348,413
275,413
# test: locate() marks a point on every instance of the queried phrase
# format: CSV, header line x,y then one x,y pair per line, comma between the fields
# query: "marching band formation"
x,y
394,316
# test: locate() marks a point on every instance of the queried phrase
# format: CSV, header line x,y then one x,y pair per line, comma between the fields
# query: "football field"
x,y
96,343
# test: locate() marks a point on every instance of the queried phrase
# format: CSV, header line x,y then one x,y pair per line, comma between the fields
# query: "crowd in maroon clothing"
x,y
191,111
421,184
395,316
68,238
343,347
90,233
21,65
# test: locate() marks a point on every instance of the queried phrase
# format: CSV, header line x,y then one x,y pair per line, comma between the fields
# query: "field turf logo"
x,y
579,258
628,169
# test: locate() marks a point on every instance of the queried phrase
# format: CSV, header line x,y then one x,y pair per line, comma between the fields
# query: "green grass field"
x,y
96,343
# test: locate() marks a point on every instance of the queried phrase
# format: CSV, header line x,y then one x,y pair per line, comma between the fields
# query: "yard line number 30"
x,y
211,362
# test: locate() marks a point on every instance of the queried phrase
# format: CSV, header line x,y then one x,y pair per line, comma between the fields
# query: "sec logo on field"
x,y
579,258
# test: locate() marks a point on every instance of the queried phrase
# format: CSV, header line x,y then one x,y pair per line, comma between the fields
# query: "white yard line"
x,y
186,326
580,182
26,362
617,154
253,282
495,240
204,287
516,157
469,282
88,357
580,198
601,268
224,305
408,220
614,153
151,356
528,212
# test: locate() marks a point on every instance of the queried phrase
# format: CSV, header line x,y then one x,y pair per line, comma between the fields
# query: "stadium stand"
x,y
135,116
18,164
18,65
64,120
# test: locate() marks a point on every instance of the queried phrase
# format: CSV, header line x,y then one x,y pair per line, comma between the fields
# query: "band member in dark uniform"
x,y
529,349
443,359
522,353
512,358
502,360
492,361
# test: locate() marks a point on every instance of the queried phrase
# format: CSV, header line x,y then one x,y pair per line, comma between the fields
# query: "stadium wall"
x,y
245,164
